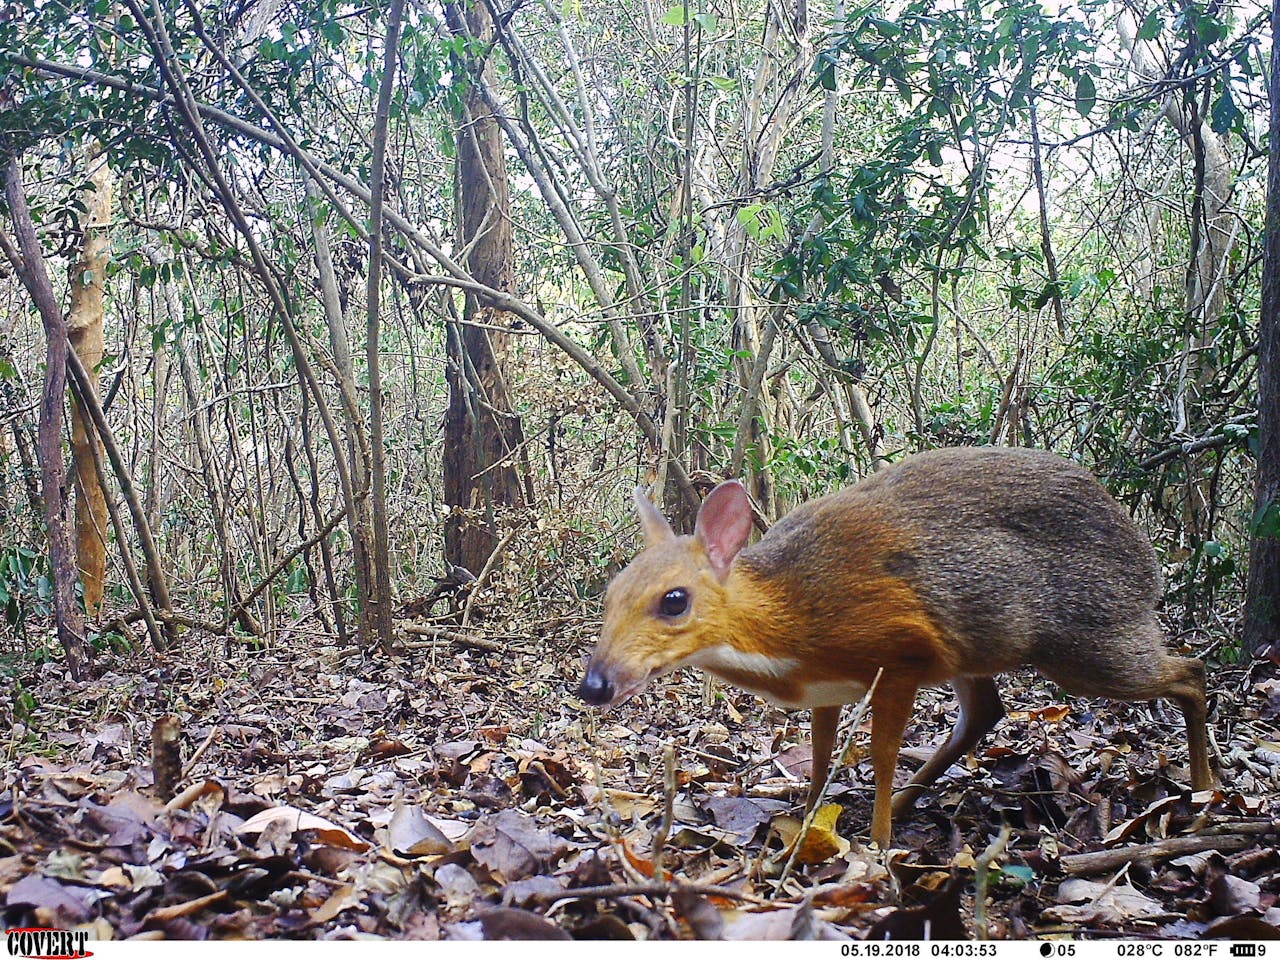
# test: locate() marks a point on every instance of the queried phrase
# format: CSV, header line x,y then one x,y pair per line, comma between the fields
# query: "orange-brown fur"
x,y
954,565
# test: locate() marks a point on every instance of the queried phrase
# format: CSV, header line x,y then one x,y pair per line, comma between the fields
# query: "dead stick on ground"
x,y
454,636
482,576
195,757
668,808
643,890
981,873
1104,861
161,914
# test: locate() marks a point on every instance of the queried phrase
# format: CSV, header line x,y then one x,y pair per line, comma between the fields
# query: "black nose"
x,y
596,688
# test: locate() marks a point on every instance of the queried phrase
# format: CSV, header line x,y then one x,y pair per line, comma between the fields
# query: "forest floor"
x,y
464,793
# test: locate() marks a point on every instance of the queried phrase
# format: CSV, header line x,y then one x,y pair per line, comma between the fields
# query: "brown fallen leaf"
x,y
643,865
768,924
741,816
459,887
846,895
197,791
1088,902
341,899
540,889
296,820
52,903
512,923
1230,895
411,834
795,922
514,846
626,803
1051,714
386,748
698,912
1243,928
1152,820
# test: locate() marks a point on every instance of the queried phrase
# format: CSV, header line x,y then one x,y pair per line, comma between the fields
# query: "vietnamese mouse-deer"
x,y
954,564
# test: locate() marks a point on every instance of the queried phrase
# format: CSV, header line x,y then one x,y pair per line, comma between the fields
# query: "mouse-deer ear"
x,y
652,522
724,523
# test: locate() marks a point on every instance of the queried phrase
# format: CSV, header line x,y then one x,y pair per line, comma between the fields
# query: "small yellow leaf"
x,y
822,843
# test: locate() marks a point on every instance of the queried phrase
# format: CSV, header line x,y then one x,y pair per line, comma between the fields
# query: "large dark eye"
x,y
674,602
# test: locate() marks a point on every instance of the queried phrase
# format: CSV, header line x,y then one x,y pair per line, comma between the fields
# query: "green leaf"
x,y
1086,95
707,21
1224,114
674,17
1017,876
1044,296
1266,522
298,580
886,28
1210,29
1150,28
761,220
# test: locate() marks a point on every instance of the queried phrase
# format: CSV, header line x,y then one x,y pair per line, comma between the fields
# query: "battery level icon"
x,y
1244,949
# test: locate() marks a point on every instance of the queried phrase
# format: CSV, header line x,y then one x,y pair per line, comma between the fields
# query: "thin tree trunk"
x,y
1262,596
380,600
28,262
154,629
683,514
359,523
859,408
214,484
483,437
1046,238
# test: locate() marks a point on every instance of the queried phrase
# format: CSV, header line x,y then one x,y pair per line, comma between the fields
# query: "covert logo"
x,y
47,943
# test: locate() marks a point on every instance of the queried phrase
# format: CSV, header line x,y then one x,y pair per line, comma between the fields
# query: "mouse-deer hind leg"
x,y
980,710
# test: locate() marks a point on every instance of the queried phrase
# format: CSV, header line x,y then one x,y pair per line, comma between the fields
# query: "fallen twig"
x,y
668,809
981,874
655,889
185,909
454,636
1243,836
200,750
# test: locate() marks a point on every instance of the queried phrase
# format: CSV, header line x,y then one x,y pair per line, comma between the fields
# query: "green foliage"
x,y
24,703
952,81
25,587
